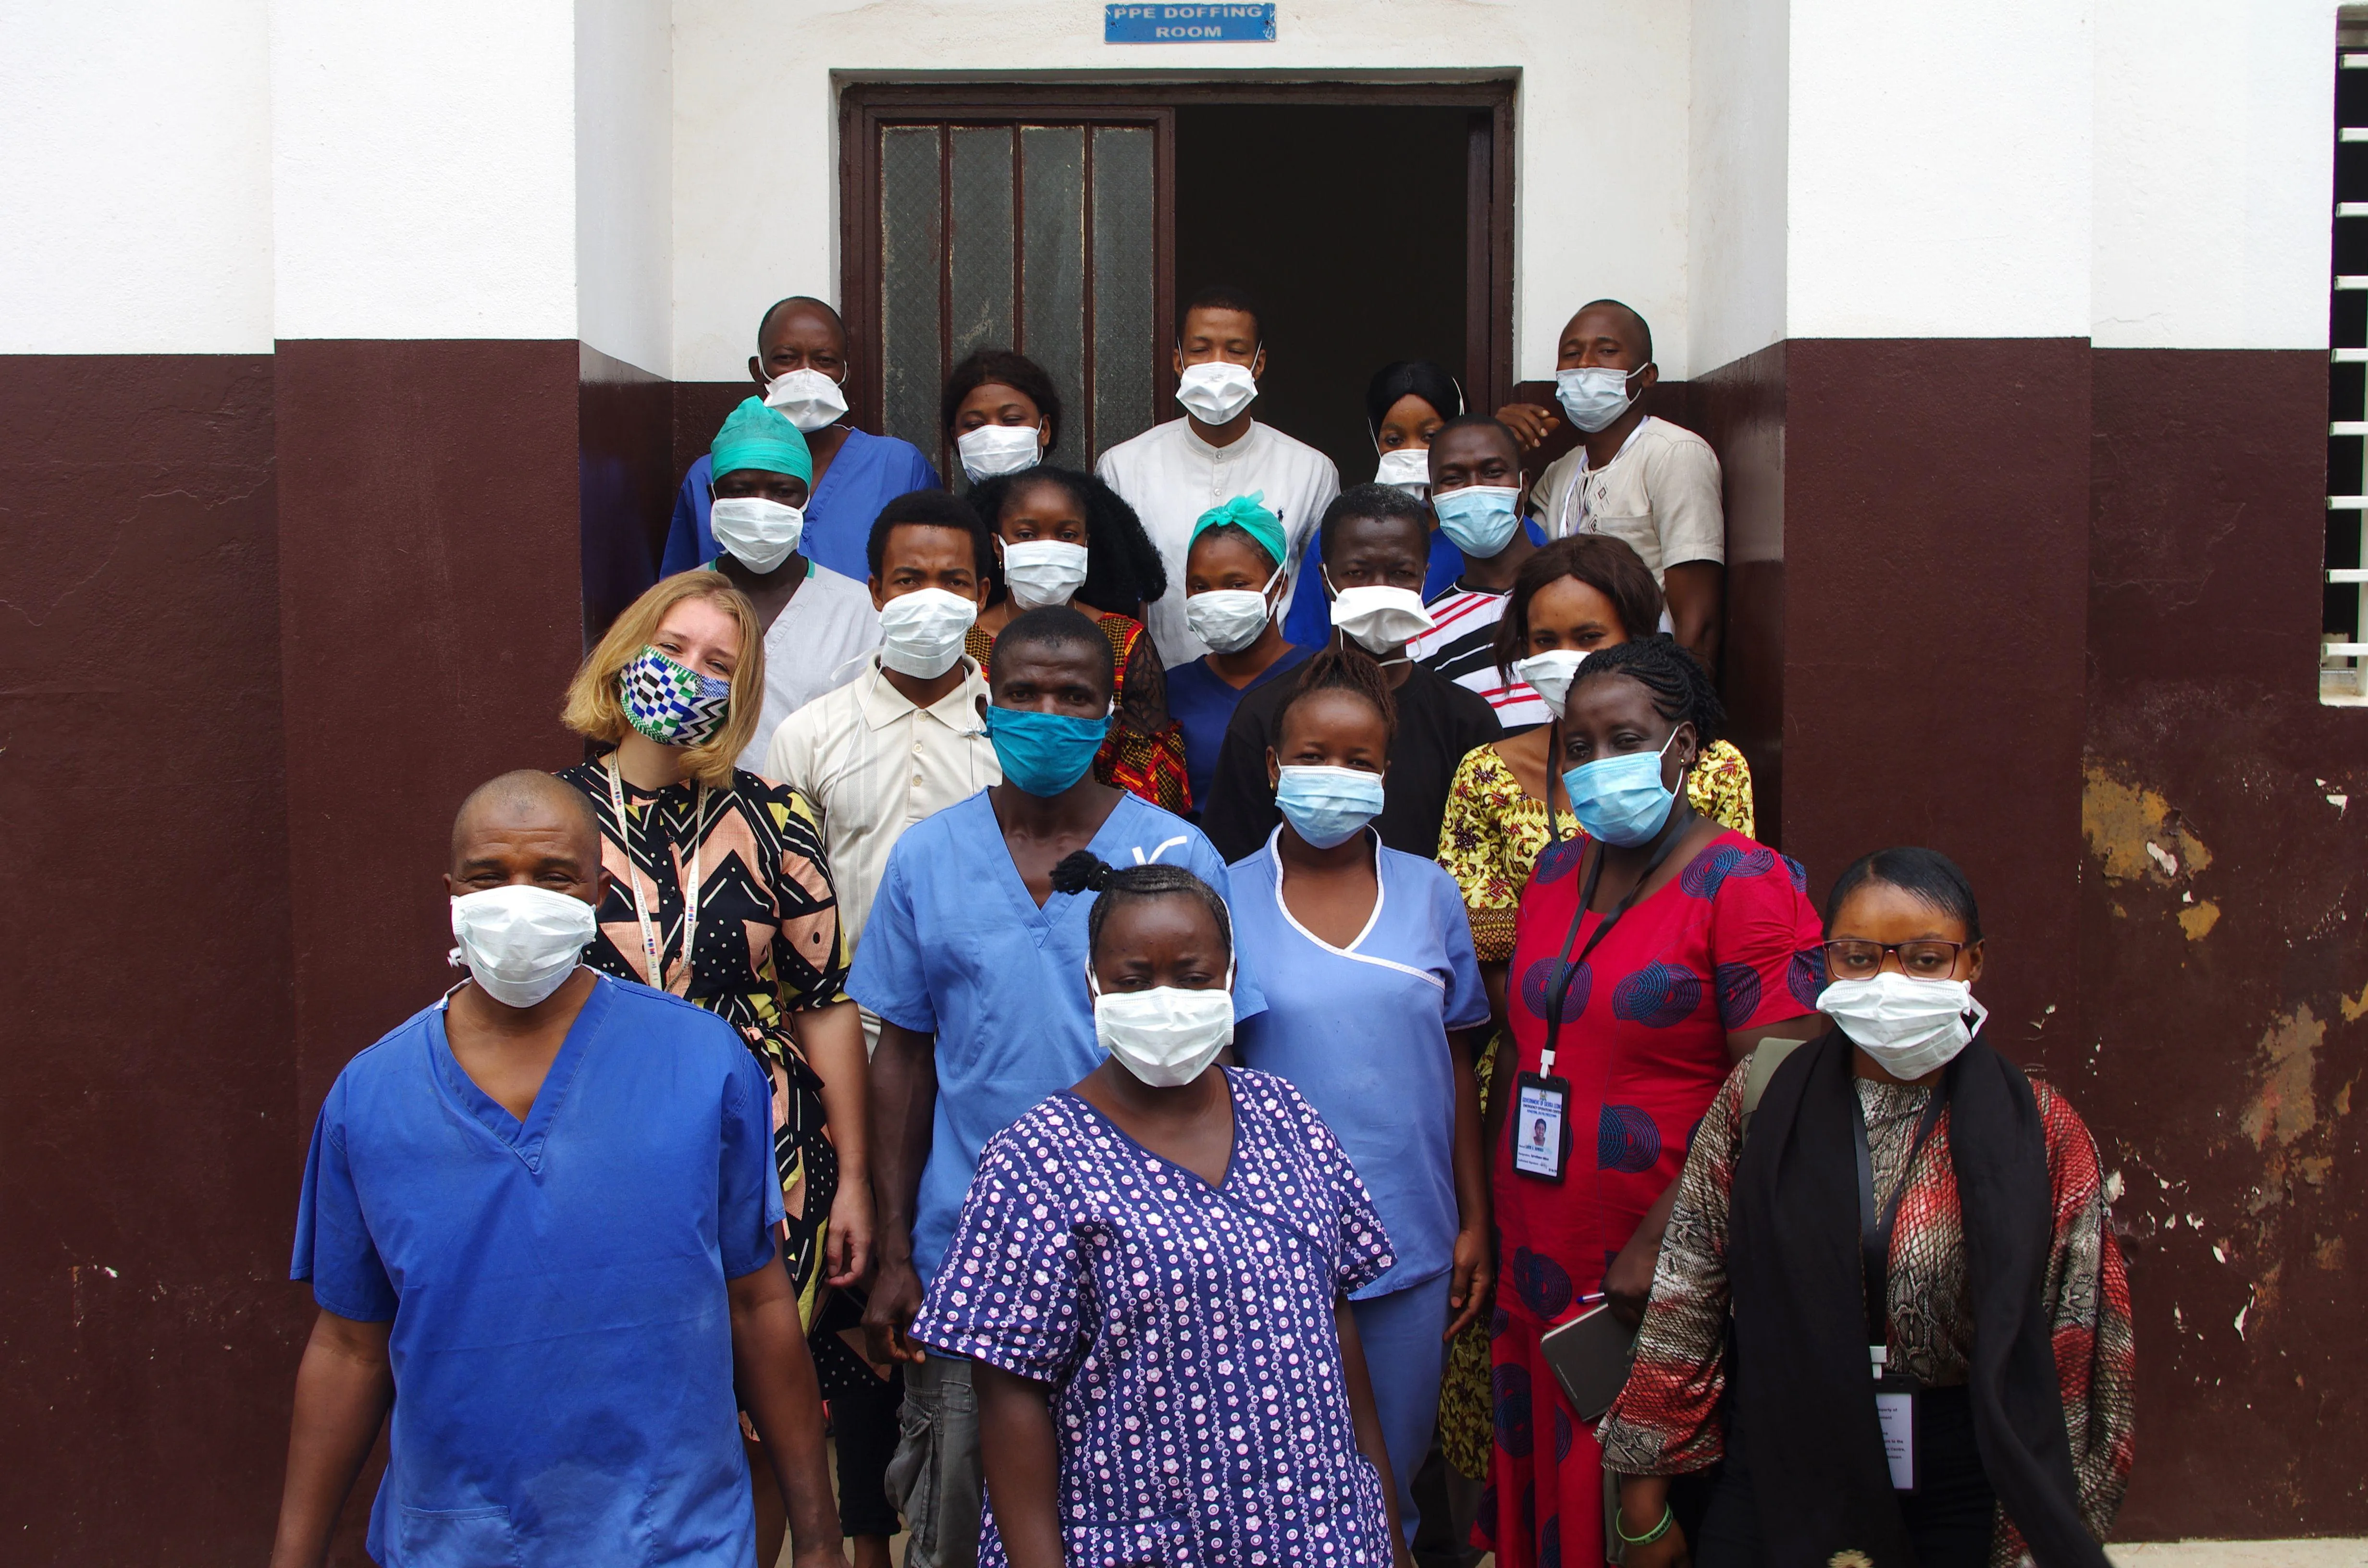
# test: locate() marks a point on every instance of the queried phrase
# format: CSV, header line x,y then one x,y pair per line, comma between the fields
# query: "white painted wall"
x,y
624,176
2213,174
424,168
1738,145
1938,181
1602,207
135,187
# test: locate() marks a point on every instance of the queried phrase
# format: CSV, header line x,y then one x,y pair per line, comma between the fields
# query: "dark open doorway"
x,y
1374,220
1347,222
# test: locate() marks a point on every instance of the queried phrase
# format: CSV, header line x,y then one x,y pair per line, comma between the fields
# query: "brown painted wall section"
x,y
2224,979
149,1114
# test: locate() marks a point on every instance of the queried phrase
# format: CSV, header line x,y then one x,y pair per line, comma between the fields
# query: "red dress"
x,y
1730,943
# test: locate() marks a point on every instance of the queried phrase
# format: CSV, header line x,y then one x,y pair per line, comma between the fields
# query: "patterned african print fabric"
x,y
1493,830
768,945
1666,1420
672,703
1489,839
1729,943
1199,1404
1144,753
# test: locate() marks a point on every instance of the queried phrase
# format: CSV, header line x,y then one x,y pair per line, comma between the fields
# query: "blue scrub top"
x,y
561,1334
955,947
1308,622
1361,1032
868,472
1202,704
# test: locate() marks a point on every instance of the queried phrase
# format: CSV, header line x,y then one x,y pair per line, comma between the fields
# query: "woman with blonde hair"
x,y
720,893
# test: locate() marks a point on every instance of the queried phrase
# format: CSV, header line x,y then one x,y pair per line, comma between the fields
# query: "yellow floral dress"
x,y
1489,841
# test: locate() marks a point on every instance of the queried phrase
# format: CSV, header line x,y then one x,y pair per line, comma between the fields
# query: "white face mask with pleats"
x,y
921,632
808,399
757,533
1408,468
1166,1036
993,449
1910,1027
1215,391
520,942
1040,572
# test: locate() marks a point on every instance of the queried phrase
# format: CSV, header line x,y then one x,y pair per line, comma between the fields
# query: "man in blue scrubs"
x,y
976,968
538,1218
799,367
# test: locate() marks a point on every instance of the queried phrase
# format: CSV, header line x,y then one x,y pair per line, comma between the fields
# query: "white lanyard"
x,y
651,955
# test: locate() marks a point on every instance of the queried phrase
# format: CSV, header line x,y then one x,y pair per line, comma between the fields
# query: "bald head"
x,y
1602,322
799,332
526,828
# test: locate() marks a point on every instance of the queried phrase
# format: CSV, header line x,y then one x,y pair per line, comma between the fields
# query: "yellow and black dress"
x,y
765,942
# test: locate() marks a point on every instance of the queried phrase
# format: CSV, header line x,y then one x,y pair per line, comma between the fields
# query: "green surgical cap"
x,y
1248,514
757,436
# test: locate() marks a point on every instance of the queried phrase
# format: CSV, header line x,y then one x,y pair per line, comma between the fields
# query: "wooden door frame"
x,y
865,106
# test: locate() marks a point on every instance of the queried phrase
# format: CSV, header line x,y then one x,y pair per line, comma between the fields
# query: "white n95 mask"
x,y
1040,572
1408,468
1215,391
520,942
757,533
808,399
1380,619
992,449
1549,675
1229,619
1909,1026
921,632
1167,1036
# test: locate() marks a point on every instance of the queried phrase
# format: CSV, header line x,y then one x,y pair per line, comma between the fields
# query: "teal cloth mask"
x,y
1043,753
1480,518
1620,800
760,438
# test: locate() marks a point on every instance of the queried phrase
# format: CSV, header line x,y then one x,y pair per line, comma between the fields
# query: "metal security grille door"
x,y
2343,637
1043,235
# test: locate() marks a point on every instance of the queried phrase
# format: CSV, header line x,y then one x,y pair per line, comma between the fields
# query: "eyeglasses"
x,y
1927,960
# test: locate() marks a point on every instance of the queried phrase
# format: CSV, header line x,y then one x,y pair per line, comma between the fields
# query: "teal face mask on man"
x,y
1043,753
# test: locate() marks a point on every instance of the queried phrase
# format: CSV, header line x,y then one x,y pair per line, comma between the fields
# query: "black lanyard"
x,y
1874,1229
1558,991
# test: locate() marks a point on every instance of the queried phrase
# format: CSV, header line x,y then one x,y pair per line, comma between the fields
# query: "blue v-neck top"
x,y
956,946
561,1334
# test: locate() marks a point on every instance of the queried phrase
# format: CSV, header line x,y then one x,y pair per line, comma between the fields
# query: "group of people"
x,y
1152,1008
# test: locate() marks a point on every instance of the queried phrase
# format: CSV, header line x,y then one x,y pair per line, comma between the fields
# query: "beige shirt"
x,y
1660,495
874,765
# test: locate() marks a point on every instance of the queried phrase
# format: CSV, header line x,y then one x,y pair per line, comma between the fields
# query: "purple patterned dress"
x,y
1198,1398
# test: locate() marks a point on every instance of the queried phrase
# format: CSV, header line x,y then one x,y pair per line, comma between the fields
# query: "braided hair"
x,y
1680,687
1342,666
1086,871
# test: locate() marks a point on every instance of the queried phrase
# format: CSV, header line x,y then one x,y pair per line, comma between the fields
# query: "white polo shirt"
x,y
874,765
1659,494
1170,476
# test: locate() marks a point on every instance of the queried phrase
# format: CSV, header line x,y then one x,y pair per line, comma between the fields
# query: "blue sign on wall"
x,y
1188,24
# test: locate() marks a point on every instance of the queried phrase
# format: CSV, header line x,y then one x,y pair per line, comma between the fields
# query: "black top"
x,y
1438,723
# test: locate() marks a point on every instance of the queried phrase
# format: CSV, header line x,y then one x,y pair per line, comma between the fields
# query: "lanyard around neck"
x,y
652,955
1874,1228
1567,971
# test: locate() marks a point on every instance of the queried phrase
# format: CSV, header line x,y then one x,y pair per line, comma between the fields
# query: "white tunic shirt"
x,y
818,642
1170,476
1660,494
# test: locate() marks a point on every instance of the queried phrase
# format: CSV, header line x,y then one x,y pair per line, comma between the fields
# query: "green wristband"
x,y
1668,1518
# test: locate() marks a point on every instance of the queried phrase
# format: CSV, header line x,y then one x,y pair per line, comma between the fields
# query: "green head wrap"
x,y
1247,514
757,436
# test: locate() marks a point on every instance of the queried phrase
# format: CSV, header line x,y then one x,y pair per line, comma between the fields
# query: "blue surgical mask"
x,y
1620,800
1480,518
1594,395
1327,805
1043,753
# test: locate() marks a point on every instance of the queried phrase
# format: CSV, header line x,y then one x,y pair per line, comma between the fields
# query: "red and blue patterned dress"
x,y
1729,943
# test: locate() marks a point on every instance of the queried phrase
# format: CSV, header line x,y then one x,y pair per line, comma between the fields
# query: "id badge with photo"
x,y
1540,1130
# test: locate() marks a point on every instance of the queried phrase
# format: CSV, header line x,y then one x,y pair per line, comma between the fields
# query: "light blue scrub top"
x,y
1361,1031
561,1331
956,947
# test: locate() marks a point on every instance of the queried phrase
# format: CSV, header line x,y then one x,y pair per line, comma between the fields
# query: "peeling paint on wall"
x,y
2136,833
2283,1110
2198,922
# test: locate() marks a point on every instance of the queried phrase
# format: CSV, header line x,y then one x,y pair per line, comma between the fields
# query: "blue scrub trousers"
x,y
1405,1355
